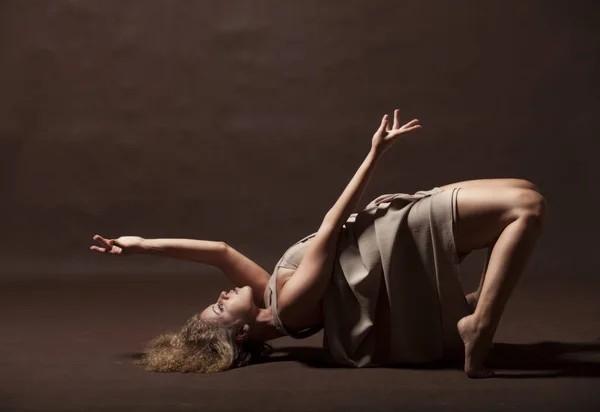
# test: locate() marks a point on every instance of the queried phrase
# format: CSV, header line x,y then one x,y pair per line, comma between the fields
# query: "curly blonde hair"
x,y
201,346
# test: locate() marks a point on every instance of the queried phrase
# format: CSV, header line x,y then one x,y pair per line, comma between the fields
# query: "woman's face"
x,y
233,307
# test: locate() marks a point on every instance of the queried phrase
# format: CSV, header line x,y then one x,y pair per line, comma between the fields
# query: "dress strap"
x,y
271,298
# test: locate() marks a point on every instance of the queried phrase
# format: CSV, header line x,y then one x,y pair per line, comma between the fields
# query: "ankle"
x,y
480,322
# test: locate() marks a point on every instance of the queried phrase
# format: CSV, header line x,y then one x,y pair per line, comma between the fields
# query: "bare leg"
x,y
509,220
473,297
507,262
495,182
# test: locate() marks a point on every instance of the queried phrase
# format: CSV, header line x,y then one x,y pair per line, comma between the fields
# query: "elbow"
x,y
221,252
326,228
333,221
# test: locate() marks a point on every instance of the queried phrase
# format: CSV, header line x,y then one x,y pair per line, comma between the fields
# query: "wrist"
x,y
376,152
143,247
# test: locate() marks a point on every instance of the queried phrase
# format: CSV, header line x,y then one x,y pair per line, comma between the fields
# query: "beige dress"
x,y
395,294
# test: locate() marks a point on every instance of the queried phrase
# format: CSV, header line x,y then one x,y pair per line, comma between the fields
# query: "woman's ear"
x,y
243,333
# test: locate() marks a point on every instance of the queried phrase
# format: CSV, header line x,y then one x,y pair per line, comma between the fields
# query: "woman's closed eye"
x,y
218,308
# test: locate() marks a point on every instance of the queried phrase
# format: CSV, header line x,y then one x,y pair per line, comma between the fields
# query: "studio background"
x,y
243,121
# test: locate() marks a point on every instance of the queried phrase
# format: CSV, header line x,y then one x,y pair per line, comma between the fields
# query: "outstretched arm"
x,y
306,287
239,269
201,251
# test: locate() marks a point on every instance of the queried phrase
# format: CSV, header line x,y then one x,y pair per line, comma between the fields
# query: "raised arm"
x,y
306,287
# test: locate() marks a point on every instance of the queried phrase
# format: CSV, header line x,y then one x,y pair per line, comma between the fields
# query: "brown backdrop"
x,y
244,120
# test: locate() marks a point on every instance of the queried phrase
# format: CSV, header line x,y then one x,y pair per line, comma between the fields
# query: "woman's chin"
x,y
246,291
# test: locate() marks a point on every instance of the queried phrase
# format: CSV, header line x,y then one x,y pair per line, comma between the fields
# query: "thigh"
x,y
497,182
482,213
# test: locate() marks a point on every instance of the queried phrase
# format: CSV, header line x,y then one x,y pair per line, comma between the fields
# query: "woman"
x,y
382,283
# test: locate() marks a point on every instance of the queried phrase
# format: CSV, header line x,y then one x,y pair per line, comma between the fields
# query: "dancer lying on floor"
x,y
383,283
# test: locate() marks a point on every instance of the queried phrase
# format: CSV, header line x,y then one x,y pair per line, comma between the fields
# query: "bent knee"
x,y
532,205
525,184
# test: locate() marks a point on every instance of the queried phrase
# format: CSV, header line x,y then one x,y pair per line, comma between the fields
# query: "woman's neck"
x,y
264,327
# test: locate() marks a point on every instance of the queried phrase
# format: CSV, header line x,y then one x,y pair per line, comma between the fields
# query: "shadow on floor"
x,y
535,360
532,360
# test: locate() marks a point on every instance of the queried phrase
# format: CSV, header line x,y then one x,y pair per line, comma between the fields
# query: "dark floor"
x,y
69,345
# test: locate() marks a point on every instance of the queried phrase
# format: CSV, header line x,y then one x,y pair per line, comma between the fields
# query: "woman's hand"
x,y
384,136
121,246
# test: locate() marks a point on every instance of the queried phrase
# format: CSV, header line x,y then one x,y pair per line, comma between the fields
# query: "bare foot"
x,y
477,346
472,299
